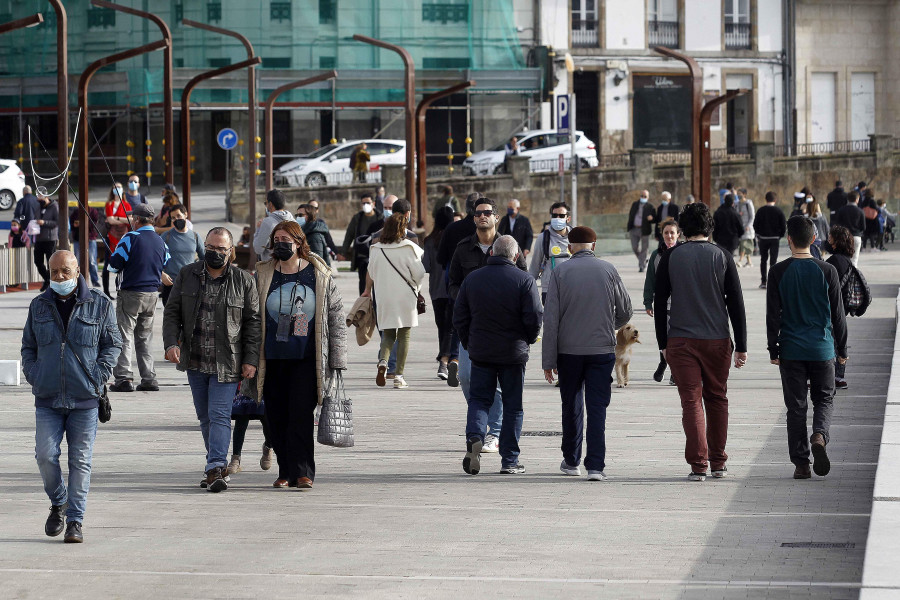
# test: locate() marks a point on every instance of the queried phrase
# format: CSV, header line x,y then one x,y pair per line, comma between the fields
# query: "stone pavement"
x,y
396,517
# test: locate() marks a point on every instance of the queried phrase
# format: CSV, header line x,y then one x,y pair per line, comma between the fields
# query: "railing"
x,y
842,147
318,179
736,153
671,158
737,36
897,143
585,38
614,161
19,269
664,33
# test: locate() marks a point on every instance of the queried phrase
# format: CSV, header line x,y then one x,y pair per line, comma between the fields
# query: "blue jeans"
x,y
212,401
92,253
482,391
495,416
80,429
585,380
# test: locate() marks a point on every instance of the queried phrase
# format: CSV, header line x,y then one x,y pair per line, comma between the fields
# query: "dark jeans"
x,y
291,397
443,318
795,374
362,270
768,251
585,380
166,291
240,431
42,253
483,386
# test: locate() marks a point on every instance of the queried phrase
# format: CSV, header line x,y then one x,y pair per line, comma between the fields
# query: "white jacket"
x,y
395,300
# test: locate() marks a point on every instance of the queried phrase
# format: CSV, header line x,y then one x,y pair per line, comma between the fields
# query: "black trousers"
x,y
795,376
291,397
42,253
240,432
768,251
443,318
362,269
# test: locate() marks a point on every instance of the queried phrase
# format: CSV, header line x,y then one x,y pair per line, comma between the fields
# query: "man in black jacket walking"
x,y
518,226
639,227
498,315
770,226
667,210
837,199
853,218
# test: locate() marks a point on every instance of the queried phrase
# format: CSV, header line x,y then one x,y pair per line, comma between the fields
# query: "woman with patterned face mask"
x,y
117,224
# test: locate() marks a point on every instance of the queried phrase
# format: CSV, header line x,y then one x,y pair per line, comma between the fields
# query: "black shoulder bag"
x,y
104,409
420,300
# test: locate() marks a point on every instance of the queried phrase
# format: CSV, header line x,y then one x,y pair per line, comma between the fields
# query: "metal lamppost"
x,y
62,111
35,19
705,152
270,104
409,86
423,106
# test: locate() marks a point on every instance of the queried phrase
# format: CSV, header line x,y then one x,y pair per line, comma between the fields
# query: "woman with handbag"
x,y
304,346
395,274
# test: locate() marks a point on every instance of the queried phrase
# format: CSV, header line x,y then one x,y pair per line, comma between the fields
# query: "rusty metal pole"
x,y
83,82
251,105
270,104
35,19
62,112
424,104
168,113
696,106
409,85
186,123
705,159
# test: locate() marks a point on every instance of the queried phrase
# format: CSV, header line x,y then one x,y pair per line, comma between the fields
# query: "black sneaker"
x,y
762,286
73,533
821,464
215,480
515,469
148,387
56,521
472,461
453,373
840,385
660,370
122,386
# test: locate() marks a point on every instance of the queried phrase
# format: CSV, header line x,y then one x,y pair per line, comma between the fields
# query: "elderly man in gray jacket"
x,y
580,348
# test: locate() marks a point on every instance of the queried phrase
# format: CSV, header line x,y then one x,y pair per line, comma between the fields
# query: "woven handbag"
x,y
336,418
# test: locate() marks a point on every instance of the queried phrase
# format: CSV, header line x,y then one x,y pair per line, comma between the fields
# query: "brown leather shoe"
x,y
802,472
304,483
280,483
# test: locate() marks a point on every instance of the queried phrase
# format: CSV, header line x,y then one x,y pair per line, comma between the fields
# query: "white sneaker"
x,y
491,444
597,476
399,382
565,468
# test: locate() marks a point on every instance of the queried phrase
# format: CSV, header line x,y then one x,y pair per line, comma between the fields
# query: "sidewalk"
x,y
396,517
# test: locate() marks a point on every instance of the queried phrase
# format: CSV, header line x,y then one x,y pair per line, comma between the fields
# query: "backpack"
x,y
855,291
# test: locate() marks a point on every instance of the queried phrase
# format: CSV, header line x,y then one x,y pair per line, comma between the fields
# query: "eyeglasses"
x,y
559,215
218,249
483,213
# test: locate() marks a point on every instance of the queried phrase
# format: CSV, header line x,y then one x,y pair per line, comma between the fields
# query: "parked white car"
x,y
541,146
330,165
12,180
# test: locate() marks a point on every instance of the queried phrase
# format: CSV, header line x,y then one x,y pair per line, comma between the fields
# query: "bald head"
x,y
63,266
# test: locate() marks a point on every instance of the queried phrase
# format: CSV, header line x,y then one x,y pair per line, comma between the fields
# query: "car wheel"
x,y
584,163
500,169
315,180
7,199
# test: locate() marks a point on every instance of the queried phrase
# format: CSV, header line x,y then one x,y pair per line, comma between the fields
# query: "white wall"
x,y
626,24
617,118
822,100
555,23
768,18
862,105
703,25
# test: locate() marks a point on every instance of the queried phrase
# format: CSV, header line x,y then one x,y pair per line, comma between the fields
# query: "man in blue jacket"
x,y
497,316
69,346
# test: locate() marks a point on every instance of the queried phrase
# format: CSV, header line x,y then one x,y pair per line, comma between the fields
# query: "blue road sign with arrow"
x,y
227,138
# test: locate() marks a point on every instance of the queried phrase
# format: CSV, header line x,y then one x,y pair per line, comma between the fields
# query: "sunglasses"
x,y
559,215
483,213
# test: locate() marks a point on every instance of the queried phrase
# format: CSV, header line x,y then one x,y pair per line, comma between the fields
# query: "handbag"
x,y
245,406
104,408
336,418
421,307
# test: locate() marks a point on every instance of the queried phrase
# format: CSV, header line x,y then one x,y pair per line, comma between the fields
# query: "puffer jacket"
x,y
330,329
315,236
48,350
237,343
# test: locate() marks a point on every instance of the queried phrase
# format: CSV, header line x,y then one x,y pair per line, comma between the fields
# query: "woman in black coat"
x,y
728,227
841,243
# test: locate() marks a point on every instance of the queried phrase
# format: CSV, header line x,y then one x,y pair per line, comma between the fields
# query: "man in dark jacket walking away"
x,y
805,323
837,199
497,315
47,217
728,226
580,347
667,210
770,225
853,218
639,227
359,225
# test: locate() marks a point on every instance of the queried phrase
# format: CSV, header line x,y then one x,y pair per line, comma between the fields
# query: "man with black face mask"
x,y
47,217
211,329
184,247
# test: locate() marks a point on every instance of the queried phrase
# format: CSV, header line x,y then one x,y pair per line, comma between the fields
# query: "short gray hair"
x,y
515,202
26,189
666,195
506,246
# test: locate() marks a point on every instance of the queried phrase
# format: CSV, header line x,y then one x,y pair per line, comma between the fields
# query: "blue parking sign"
x,y
227,138
562,114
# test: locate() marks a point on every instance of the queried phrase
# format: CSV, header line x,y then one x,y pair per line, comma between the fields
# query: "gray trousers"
x,y
135,312
794,377
643,241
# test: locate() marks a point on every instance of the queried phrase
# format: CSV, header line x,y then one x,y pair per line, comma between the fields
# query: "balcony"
x,y
585,36
737,36
664,33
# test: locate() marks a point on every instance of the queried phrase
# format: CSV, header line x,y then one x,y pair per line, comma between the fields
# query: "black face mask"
x,y
215,260
283,250
180,223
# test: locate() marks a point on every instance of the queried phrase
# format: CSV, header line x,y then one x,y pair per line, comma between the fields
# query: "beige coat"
x,y
395,301
362,316
330,330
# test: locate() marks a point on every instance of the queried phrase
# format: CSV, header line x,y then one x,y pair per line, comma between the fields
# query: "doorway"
x,y
740,114
587,101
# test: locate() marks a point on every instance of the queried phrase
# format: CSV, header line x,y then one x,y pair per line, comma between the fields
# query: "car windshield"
x,y
322,151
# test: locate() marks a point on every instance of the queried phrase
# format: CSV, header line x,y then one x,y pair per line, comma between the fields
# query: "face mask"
x,y
14,229
665,202
301,221
118,192
643,201
557,223
180,223
808,200
64,288
387,213
133,186
367,208
283,250
511,212
215,260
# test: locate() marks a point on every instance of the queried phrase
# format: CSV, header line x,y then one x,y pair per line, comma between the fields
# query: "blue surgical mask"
x,y
133,186
665,202
301,221
511,212
557,223
643,201
387,213
64,288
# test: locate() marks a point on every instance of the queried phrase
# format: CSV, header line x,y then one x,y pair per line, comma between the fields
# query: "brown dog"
x,y
625,338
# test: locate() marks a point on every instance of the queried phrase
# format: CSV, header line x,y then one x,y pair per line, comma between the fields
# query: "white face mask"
x,y
367,207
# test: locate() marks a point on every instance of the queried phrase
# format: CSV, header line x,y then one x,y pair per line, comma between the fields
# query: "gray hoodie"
x,y
261,238
557,255
591,294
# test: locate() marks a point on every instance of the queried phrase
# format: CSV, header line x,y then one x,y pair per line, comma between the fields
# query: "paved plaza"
x,y
396,517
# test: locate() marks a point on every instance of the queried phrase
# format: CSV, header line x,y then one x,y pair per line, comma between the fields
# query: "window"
x,y
280,11
343,153
327,12
178,12
448,11
216,63
446,63
584,23
101,18
327,62
279,62
214,11
178,63
737,25
662,23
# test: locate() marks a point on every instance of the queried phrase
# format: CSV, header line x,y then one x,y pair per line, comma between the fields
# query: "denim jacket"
x,y
48,350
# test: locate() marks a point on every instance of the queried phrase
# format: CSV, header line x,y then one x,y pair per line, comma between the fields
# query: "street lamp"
x,y
33,20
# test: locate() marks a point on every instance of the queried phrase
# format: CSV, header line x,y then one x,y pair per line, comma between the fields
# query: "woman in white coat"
x,y
395,274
